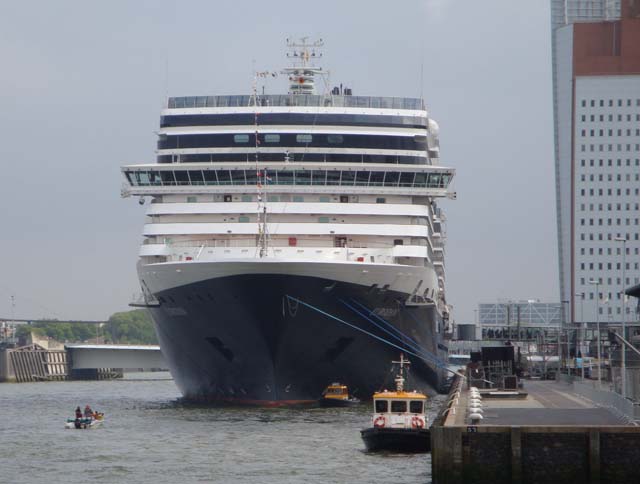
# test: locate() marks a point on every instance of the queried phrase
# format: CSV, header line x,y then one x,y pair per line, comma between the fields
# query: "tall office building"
x,y
596,90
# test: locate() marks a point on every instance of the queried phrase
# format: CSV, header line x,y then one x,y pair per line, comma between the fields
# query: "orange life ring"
x,y
417,423
379,422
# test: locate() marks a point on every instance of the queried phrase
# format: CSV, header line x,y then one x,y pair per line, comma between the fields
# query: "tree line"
x,y
127,327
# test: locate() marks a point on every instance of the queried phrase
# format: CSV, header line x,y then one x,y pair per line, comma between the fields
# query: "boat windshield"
x,y
416,406
382,406
398,406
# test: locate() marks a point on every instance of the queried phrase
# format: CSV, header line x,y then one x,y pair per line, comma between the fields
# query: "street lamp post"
x,y
624,332
581,332
597,284
562,356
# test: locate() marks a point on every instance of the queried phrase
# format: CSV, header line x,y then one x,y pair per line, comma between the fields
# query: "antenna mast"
x,y
261,180
302,73
400,379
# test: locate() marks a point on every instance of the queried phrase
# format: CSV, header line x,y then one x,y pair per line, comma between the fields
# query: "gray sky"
x,y
82,84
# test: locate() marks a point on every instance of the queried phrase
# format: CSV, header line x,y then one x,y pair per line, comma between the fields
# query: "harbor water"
x,y
150,436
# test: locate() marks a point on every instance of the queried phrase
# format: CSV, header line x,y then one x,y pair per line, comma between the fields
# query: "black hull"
x,y
243,339
397,440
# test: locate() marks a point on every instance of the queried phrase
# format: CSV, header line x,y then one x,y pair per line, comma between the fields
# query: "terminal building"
x,y
596,86
519,320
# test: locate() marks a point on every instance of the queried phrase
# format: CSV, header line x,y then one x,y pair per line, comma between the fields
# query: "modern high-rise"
x,y
596,87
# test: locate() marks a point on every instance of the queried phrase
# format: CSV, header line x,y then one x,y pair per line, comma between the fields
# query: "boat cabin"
x,y
399,410
336,391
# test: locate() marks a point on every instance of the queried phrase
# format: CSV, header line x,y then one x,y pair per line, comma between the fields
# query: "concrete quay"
x,y
543,433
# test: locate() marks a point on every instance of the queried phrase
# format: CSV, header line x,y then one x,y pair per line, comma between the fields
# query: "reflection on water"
x,y
150,435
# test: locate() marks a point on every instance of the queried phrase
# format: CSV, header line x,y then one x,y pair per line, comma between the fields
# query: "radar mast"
x,y
302,73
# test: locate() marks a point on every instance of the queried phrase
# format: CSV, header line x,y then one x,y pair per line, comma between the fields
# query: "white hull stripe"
x,y
160,277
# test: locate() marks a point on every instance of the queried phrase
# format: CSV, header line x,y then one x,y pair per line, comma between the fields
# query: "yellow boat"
x,y
399,422
337,395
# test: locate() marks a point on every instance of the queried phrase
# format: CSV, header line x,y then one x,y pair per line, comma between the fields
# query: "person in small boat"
x,y
78,422
88,413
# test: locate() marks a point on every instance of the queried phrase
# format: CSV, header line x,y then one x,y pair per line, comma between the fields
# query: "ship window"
x,y
323,220
167,178
415,406
344,198
398,406
223,177
348,177
273,198
182,178
237,177
240,138
382,406
196,177
192,199
376,178
303,177
391,178
333,178
210,177
381,200
272,138
335,139
246,198
297,198
406,179
362,178
304,138
244,218
284,178
319,177
324,199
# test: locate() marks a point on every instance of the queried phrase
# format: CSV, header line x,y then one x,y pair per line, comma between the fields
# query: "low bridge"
x,y
92,356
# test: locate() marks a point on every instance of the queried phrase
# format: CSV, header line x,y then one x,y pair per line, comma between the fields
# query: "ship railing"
x,y
289,242
377,102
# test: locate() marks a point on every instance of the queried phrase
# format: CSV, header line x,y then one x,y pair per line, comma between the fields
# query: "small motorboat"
x,y
92,422
399,422
337,395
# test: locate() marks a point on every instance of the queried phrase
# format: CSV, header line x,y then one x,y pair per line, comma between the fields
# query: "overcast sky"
x,y
82,84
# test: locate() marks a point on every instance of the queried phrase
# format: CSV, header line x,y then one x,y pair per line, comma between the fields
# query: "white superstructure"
x,y
341,185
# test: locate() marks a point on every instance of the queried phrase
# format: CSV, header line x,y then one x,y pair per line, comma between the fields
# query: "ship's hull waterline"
x,y
278,339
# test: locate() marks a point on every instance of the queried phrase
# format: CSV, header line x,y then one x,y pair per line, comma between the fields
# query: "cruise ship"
x,y
293,240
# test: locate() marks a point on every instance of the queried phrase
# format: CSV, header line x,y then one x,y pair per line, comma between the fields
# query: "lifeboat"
x,y
399,422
